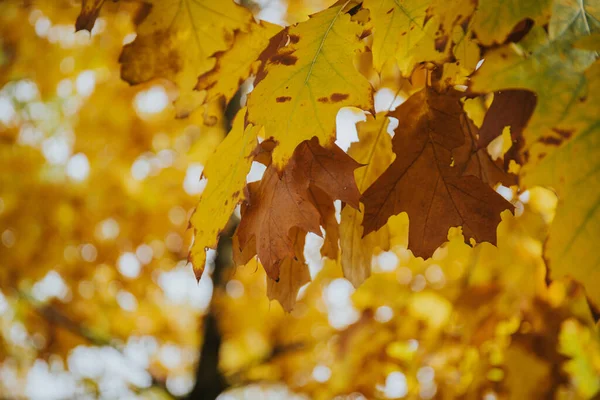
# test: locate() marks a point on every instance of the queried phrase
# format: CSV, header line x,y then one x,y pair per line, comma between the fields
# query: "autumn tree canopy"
x,y
378,199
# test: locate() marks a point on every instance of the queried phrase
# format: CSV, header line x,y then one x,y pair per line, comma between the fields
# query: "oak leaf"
x,y
309,78
226,172
423,182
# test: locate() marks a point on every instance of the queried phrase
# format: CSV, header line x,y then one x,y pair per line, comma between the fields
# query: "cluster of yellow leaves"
x,y
305,74
461,322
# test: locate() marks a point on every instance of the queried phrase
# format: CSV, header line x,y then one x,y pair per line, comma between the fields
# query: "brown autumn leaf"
x,y
293,275
329,169
332,231
280,204
297,197
509,108
424,182
89,12
476,161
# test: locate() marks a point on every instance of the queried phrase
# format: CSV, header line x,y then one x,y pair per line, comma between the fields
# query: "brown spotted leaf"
x,y
308,77
236,64
423,181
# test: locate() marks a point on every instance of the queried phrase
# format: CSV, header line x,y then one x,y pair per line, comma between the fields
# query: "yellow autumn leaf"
x,y
237,63
494,20
226,172
177,40
541,58
305,83
300,10
467,55
400,32
571,168
375,150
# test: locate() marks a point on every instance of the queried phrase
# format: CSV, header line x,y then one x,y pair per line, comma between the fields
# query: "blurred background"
x,y
98,180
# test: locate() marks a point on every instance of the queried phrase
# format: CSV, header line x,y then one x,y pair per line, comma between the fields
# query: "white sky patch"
x,y
127,301
50,286
85,83
43,383
140,169
113,370
56,150
78,167
272,11
180,385
396,386
107,229
345,121
340,310
129,266
312,253
384,314
26,91
180,287
151,101
385,100
321,373
505,192
387,261
257,170
192,184
7,110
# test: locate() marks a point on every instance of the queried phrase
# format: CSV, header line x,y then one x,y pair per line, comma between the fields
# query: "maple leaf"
x,y
493,21
280,204
178,39
328,221
402,32
309,79
471,159
226,172
571,168
541,58
374,149
423,182
287,200
465,50
329,169
292,276
237,63
511,108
